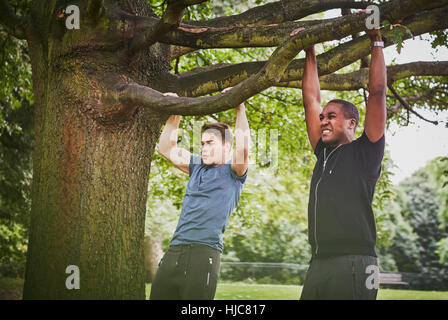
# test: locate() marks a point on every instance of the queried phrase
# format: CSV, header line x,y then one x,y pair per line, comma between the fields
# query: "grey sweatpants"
x,y
187,272
346,277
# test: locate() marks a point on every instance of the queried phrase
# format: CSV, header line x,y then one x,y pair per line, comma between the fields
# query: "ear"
x,y
228,147
352,124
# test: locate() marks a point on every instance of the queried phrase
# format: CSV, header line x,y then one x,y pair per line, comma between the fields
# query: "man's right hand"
x,y
310,50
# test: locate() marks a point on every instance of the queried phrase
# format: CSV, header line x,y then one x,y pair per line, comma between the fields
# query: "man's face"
x,y
335,128
214,151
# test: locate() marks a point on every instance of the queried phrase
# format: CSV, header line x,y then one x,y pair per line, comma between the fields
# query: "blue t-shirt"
x,y
212,194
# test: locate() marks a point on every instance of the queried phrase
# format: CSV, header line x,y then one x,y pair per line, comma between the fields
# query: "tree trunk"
x,y
153,255
90,172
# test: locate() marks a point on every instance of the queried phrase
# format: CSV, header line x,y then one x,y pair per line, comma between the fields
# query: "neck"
x,y
224,160
349,137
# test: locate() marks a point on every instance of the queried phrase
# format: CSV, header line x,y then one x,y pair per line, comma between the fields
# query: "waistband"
x,y
184,247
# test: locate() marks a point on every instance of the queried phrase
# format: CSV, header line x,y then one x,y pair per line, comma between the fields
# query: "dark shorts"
x,y
187,272
345,277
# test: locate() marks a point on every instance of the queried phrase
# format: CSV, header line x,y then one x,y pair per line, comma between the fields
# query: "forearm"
x,y
377,73
375,120
242,135
168,138
310,83
311,97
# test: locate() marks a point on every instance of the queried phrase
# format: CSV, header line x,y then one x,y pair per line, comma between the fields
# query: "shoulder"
x,y
370,154
233,175
195,159
364,141
195,162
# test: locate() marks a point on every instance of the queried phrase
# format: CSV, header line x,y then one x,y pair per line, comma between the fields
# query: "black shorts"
x,y
344,277
187,272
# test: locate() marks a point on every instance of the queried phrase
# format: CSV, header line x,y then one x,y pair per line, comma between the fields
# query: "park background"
x,y
266,238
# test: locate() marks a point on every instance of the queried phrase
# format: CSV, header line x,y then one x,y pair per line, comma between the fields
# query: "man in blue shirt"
x,y
190,267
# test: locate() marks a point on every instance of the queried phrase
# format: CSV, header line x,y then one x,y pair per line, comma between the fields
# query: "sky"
x,y
412,146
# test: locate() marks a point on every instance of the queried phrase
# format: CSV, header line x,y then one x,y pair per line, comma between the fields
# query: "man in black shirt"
x,y
341,223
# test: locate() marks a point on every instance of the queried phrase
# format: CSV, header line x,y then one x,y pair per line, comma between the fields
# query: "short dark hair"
x,y
223,128
350,110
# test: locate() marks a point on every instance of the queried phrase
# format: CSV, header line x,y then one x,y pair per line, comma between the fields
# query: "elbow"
x,y
162,151
243,154
378,90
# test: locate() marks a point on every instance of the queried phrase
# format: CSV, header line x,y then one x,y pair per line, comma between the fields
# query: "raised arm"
x,y
375,122
240,157
167,146
311,97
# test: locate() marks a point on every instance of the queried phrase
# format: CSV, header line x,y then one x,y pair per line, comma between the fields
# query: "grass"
x,y
244,291
11,289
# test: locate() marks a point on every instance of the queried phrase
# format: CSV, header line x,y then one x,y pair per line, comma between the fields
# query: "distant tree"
x,y
416,250
16,143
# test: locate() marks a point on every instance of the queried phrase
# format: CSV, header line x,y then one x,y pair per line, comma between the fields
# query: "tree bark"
x,y
91,169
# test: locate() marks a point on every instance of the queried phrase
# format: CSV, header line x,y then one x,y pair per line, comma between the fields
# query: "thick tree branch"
x,y
14,24
211,80
279,12
359,79
240,36
171,19
268,75
94,8
234,36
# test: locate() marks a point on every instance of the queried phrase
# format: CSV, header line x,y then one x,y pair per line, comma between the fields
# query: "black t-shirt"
x,y
341,197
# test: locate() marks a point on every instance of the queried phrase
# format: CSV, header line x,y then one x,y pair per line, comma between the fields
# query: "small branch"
x,y
94,8
14,24
171,19
408,107
364,94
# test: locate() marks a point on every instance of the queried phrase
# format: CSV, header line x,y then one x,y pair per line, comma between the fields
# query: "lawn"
x,y
12,289
244,291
